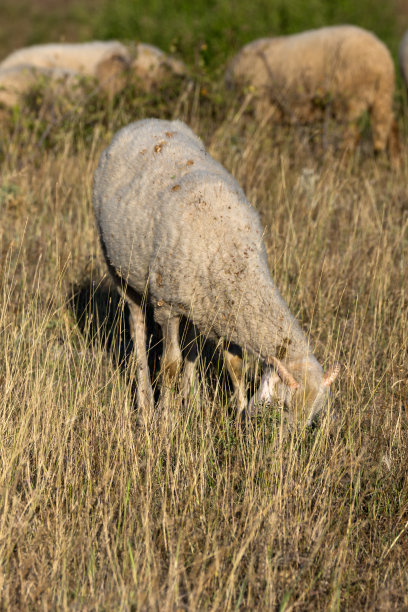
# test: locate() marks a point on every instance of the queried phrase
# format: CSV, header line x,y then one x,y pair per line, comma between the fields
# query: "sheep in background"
x,y
105,60
176,229
403,58
341,71
18,80
110,62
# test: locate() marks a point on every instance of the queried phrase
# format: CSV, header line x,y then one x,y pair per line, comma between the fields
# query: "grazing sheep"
x,y
17,80
106,61
177,230
112,63
403,58
341,71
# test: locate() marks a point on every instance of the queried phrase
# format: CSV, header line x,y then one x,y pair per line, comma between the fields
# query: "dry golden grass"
x,y
103,509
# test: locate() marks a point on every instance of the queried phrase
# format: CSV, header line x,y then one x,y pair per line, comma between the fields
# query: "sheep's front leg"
x,y
234,363
138,332
190,348
171,359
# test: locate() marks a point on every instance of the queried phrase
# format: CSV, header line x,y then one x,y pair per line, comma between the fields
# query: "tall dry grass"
x,y
101,508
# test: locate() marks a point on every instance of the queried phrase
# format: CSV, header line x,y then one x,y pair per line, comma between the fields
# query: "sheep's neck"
x,y
264,324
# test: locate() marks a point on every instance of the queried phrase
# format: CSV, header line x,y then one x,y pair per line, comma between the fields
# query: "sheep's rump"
x,y
173,220
344,66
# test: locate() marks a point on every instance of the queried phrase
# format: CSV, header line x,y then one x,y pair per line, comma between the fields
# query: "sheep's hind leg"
x,y
351,137
234,363
138,332
385,129
351,112
171,359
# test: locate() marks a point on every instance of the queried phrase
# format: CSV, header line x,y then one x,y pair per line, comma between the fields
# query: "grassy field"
x,y
103,508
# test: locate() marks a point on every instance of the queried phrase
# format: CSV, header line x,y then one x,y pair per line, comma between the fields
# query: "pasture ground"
x,y
101,508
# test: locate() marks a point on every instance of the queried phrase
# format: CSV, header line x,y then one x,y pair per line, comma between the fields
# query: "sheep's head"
x,y
111,74
299,386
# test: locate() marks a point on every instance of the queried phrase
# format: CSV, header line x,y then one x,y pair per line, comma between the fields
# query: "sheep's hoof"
x,y
190,390
241,403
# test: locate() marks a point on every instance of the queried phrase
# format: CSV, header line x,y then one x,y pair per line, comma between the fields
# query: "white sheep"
x,y
104,60
18,80
112,63
342,71
177,230
403,58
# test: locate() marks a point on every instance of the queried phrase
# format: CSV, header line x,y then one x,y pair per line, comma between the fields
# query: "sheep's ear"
x,y
283,373
331,375
264,393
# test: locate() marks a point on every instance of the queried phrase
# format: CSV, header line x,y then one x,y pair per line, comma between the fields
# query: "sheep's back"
x,y
81,57
171,215
337,59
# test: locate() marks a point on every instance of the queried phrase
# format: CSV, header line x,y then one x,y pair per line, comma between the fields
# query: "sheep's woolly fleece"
x,y
110,62
298,76
176,226
82,58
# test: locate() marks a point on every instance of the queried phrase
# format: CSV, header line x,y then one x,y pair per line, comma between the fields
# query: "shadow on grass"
x,y
103,318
